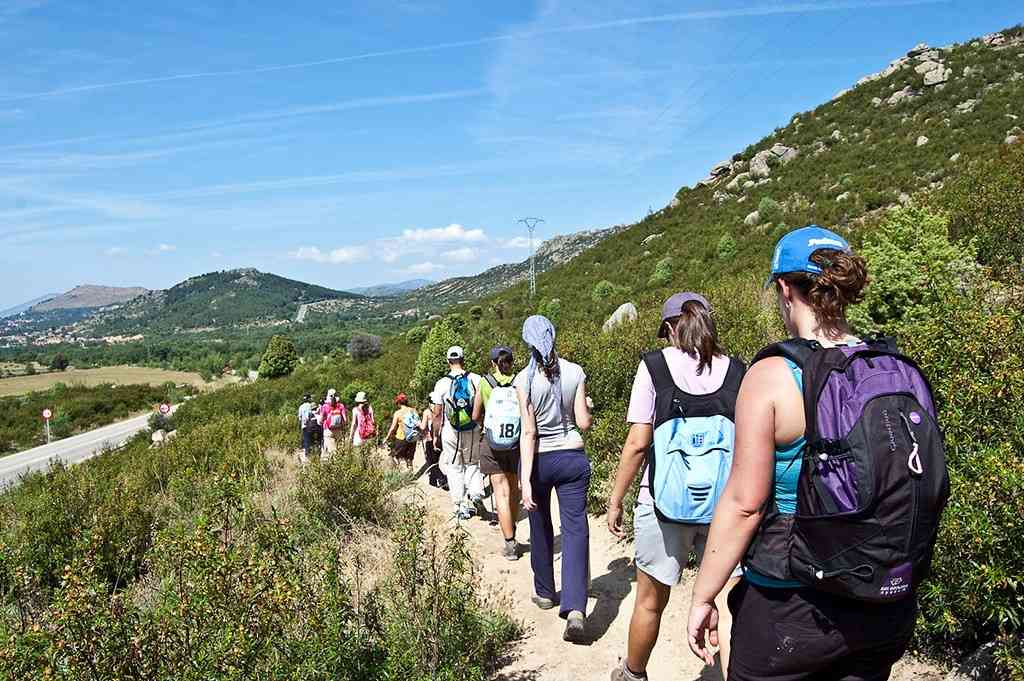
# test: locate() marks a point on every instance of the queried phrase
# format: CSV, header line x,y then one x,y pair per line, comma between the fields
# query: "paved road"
x,y
71,450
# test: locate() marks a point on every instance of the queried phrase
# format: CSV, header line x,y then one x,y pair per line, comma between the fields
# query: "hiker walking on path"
x,y
497,407
430,432
405,428
552,397
363,425
834,506
460,437
306,432
683,403
334,418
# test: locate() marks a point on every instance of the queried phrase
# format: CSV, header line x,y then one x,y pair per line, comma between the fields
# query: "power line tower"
x,y
531,226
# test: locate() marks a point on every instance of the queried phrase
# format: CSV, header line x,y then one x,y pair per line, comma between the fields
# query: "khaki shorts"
x,y
495,462
663,549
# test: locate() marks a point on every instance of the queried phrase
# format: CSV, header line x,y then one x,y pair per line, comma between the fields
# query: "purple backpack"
x,y
873,480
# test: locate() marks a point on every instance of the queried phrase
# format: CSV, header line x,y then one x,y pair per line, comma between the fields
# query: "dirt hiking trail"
x,y
542,655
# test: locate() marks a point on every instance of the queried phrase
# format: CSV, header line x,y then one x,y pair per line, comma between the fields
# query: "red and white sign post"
x,y
165,409
47,415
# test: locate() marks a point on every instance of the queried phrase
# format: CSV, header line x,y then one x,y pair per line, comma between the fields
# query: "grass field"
x,y
121,375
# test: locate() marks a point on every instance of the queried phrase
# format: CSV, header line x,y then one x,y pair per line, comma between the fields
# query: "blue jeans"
x,y
567,472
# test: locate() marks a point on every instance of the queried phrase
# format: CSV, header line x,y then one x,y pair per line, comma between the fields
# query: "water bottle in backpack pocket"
x,y
459,404
502,419
873,481
691,456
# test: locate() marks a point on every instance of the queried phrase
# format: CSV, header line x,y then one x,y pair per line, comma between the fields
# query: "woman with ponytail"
x,y
784,630
552,396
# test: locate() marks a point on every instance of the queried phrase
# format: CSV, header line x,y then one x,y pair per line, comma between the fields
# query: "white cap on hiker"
x,y
360,397
331,393
455,352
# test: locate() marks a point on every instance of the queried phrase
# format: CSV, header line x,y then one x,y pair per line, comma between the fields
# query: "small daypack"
x,y
460,403
689,461
335,418
502,420
411,424
873,481
367,427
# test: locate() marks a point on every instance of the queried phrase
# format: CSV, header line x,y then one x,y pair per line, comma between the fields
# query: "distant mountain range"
x,y
89,296
386,290
250,299
18,309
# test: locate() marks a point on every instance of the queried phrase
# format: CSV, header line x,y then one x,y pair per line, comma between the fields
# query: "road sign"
x,y
165,409
47,414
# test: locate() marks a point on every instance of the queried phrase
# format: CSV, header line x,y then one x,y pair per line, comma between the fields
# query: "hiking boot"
x,y
574,625
544,603
510,550
623,673
478,506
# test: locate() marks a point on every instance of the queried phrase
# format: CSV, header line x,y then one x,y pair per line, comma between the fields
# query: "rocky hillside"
x,y
397,288
89,296
435,297
229,299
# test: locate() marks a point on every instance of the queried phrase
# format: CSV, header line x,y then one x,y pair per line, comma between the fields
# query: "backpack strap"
x,y
799,350
734,377
657,367
491,380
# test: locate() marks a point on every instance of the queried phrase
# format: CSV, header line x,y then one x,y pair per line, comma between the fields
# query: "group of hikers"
x,y
323,424
809,485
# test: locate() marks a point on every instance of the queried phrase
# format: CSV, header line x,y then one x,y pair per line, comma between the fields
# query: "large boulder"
x,y
158,437
937,76
918,49
721,168
922,140
926,66
993,39
737,182
759,167
752,219
902,95
624,313
783,153
651,237
966,106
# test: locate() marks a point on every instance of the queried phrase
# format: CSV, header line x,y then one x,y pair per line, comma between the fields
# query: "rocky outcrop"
x,y
753,219
922,140
993,39
760,167
937,76
651,237
966,106
737,182
623,314
903,95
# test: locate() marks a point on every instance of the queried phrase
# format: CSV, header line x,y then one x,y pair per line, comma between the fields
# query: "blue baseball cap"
x,y
793,252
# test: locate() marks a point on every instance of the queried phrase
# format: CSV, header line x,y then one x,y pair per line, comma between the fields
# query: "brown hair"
x,y
548,365
695,334
504,362
840,284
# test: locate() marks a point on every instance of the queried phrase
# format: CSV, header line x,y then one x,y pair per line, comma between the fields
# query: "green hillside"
x,y
243,297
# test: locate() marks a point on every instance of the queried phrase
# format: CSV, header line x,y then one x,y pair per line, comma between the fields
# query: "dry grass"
x,y
122,375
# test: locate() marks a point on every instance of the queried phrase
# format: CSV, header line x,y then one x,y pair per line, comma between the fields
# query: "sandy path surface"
x,y
542,655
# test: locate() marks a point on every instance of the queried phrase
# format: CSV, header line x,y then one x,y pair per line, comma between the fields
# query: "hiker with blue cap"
x,y
837,487
552,397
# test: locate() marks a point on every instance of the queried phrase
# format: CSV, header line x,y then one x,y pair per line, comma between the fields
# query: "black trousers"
x,y
433,455
806,635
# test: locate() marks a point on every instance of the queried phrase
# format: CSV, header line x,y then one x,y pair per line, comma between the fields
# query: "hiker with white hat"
x,y
334,418
453,397
364,428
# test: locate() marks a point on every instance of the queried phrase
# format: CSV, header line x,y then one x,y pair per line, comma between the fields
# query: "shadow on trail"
x,y
610,590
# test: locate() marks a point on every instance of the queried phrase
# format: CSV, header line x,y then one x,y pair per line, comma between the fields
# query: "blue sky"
x,y
349,144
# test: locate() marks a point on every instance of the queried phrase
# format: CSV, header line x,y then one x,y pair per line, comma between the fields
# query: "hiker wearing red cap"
x,y
405,428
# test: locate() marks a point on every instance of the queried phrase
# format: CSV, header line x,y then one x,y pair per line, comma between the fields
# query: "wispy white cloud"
x,y
338,256
674,17
453,232
115,251
516,242
166,248
424,268
462,255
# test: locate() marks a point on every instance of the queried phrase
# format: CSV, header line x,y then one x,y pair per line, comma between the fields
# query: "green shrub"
x,y
603,290
476,313
726,247
279,359
431,364
662,274
364,346
417,334
770,210
343,490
